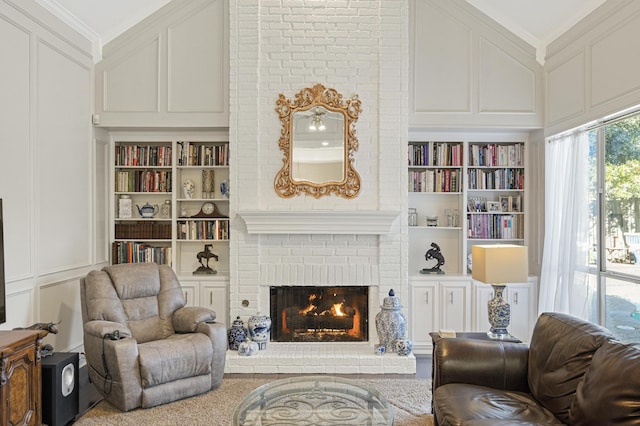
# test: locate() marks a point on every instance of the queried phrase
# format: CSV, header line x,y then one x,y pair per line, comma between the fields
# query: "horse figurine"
x,y
205,254
434,253
48,326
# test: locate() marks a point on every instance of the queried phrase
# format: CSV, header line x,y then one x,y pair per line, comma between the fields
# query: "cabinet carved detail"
x,y
20,377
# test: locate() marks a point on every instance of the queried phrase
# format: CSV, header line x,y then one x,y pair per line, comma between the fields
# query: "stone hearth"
x,y
320,358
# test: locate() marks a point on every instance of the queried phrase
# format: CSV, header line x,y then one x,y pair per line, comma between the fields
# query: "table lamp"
x,y
497,265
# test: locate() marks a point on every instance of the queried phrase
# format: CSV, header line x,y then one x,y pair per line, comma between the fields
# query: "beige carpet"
x,y
410,398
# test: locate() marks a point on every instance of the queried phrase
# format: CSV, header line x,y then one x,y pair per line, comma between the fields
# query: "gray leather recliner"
x,y
165,351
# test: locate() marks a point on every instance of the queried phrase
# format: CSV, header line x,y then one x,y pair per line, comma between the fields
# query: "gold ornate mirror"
x,y
318,139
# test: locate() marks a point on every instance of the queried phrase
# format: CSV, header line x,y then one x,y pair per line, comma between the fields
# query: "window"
x,y
614,224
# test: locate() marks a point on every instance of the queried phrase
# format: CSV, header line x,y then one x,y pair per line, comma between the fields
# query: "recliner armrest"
x,y
495,364
186,319
100,328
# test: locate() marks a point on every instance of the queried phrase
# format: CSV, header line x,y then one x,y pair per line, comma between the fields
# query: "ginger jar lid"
x,y
391,302
238,322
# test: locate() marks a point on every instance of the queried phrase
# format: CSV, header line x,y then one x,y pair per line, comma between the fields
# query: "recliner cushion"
x,y
610,391
149,294
560,353
177,357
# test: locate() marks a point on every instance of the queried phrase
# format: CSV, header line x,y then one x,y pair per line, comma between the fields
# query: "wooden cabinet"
x,y
20,379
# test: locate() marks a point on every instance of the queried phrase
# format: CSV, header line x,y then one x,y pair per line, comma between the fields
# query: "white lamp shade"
x,y
499,264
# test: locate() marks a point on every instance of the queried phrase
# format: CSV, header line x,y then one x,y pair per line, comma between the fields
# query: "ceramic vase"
x,y
391,324
237,334
259,329
499,312
404,346
248,348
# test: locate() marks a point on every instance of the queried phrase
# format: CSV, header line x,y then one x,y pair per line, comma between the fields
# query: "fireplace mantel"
x,y
319,221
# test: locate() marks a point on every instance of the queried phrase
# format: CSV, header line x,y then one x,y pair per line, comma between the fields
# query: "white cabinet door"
x,y
190,293
424,315
482,294
215,297
522,298
455,306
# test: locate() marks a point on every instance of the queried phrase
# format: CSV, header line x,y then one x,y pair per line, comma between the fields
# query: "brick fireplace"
x,y
280,47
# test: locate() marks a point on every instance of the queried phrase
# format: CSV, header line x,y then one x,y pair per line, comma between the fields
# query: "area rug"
x,y
410,399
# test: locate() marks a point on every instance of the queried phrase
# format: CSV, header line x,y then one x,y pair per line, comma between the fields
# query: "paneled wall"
x,y
468,71
46,168
169,70
592,70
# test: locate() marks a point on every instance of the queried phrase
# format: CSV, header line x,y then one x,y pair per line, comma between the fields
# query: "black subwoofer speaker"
x,y
60,393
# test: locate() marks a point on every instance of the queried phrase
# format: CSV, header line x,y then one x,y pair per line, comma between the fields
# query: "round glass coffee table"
x,y
313,400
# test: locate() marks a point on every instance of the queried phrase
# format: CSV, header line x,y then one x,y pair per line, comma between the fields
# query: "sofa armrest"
x,y
495,364
186,319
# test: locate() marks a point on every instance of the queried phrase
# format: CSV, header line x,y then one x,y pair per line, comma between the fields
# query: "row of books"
x,y
440,180
496,179
495,226
435,154
143,230
203,230
190,154
132,252
143,156
143,181
496,155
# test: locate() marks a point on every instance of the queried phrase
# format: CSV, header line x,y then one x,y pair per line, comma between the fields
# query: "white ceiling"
x,y
538,22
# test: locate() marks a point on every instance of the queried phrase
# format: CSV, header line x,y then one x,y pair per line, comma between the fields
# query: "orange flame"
x,y
337,310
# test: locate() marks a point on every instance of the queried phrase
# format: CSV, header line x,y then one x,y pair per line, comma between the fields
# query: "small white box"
x,y
124,207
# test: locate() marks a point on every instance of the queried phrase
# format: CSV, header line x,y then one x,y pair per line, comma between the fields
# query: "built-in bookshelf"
x,y
171,201
464,192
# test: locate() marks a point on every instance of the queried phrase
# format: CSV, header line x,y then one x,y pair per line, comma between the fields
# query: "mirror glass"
x,y
318,139
317,152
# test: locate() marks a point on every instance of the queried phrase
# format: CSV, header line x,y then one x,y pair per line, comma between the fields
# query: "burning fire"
x,y
336,310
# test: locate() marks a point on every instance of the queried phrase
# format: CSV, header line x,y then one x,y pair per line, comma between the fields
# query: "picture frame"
x,y
505,204
494,206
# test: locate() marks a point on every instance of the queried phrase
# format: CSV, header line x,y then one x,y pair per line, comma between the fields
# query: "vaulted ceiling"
x,y
538,22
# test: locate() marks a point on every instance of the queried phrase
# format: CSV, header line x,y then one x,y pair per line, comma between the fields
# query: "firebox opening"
x,y
319,314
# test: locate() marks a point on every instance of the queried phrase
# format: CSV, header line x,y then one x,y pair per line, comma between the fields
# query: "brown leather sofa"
x,y
573,372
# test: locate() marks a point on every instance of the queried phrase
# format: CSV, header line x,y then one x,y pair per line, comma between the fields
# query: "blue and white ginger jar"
x,y
260,329
404,346
391,324
237,334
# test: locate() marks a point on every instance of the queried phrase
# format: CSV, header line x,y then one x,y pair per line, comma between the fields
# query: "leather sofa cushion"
x,y
177,357
610,391
560,352
462,404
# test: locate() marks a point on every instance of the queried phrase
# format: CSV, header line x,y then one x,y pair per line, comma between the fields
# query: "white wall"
x,y
592,70
46,168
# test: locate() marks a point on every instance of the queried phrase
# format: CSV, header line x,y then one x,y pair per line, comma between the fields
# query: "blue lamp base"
x,y
499,314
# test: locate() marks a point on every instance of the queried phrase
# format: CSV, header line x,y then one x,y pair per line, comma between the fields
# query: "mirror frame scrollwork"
x,y
308,98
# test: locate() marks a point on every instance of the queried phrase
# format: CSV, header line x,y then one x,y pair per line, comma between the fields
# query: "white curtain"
x,y
564,282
